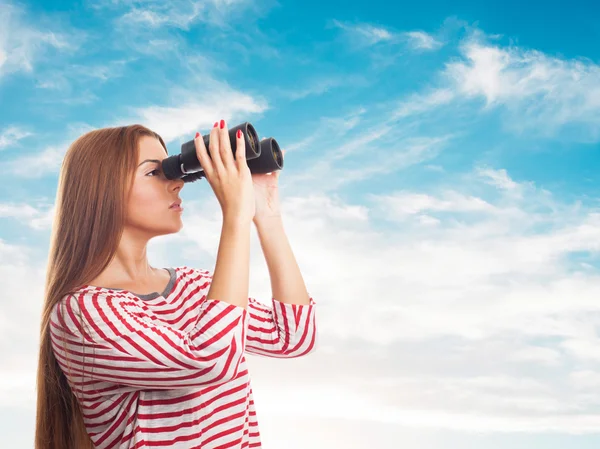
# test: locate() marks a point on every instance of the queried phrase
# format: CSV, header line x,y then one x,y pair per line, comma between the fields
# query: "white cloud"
x,y
189,116
361,145
78,73
420,103
363,35
22,43
11,135
48,159
543,95
39,164
585,379
537,355
173,123
420,40
499,178
177,13
402,204
321,86
27,215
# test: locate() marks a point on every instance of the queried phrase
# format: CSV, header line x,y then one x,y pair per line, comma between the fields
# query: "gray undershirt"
x,y
153,295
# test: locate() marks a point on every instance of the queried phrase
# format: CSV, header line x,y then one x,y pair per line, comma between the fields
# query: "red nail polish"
x,y
215,125
222,124
239,133
197,134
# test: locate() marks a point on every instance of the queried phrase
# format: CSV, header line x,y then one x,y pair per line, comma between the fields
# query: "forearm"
x,y
230,280
287,284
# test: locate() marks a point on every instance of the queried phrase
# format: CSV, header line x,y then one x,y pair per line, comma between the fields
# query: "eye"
x,y
155,170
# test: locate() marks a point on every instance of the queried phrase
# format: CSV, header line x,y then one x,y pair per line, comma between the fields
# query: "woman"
x,y
133,356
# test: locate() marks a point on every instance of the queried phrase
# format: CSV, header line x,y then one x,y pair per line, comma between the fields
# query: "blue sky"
x,y
440,194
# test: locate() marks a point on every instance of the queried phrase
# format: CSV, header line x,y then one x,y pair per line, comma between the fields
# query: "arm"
x,y
288,328
282,330
112,338
232,268
287,284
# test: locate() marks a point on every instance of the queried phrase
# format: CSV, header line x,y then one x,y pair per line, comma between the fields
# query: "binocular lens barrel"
x,y
262,156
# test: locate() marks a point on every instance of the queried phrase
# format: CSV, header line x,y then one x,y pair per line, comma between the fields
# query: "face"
x,y
152,194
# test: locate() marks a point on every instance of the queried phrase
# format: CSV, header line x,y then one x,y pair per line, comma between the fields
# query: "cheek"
x,y
144,201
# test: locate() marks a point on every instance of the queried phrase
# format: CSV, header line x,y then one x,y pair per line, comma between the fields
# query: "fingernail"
x,y
222,124
215,125
197,134
239,133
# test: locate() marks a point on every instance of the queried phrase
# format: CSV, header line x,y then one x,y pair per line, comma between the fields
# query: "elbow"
x,y
228,364
300,346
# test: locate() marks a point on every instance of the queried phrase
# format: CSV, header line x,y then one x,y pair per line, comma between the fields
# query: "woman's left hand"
x,y
266,194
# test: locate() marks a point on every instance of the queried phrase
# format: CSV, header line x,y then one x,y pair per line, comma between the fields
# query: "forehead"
x,y
150,148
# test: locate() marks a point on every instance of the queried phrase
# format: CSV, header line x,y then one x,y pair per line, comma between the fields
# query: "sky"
x,y
440,193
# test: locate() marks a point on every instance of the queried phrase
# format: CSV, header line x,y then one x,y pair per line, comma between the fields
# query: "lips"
x,y
175,204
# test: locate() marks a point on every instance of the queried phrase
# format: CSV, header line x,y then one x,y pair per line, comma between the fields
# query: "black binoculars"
x,y
262,156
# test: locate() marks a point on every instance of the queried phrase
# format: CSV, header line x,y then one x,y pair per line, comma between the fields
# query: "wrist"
x,y
232,221
267,220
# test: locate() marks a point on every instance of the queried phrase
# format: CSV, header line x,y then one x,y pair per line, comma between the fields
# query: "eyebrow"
x,y
150,160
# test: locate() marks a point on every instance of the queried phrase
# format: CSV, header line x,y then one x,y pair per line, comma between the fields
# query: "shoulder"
x,y
89,298
193,272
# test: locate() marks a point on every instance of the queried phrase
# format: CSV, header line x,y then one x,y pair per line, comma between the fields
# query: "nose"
x,y
177,184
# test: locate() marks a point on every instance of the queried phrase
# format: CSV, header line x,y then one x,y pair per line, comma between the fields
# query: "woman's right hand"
x,y
229,178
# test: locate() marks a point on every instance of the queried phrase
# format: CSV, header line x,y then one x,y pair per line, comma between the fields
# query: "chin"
x,y
168,230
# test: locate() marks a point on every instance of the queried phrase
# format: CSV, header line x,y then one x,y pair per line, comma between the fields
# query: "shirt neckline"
x,y
167,291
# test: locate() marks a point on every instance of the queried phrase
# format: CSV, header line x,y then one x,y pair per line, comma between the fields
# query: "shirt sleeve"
x,y
113,338
282,330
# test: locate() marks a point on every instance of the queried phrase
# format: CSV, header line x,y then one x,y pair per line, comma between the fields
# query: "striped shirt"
x,y
171,371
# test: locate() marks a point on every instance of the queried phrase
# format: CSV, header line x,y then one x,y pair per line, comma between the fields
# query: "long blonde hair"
x,y
91,203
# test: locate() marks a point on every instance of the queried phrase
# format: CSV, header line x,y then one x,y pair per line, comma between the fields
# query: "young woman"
x,y
133,356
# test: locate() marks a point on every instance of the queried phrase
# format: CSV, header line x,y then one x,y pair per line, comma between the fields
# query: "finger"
x,y
202,154
240,150
225,146
215,152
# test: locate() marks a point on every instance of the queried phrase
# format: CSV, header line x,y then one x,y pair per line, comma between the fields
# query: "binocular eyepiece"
x,y
262,156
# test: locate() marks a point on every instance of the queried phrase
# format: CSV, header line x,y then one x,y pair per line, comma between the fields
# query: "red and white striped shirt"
x,y
171,371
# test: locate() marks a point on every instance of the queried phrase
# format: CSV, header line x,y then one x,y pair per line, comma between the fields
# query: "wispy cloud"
x,y
22,42
79,74
47,159
11,135
419,103
184,118
321,85
420,40
179,121
405,203
363,35
363,144
37,218
537,93
178,14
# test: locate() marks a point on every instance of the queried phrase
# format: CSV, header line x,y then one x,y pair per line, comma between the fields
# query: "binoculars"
x,y
262,156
